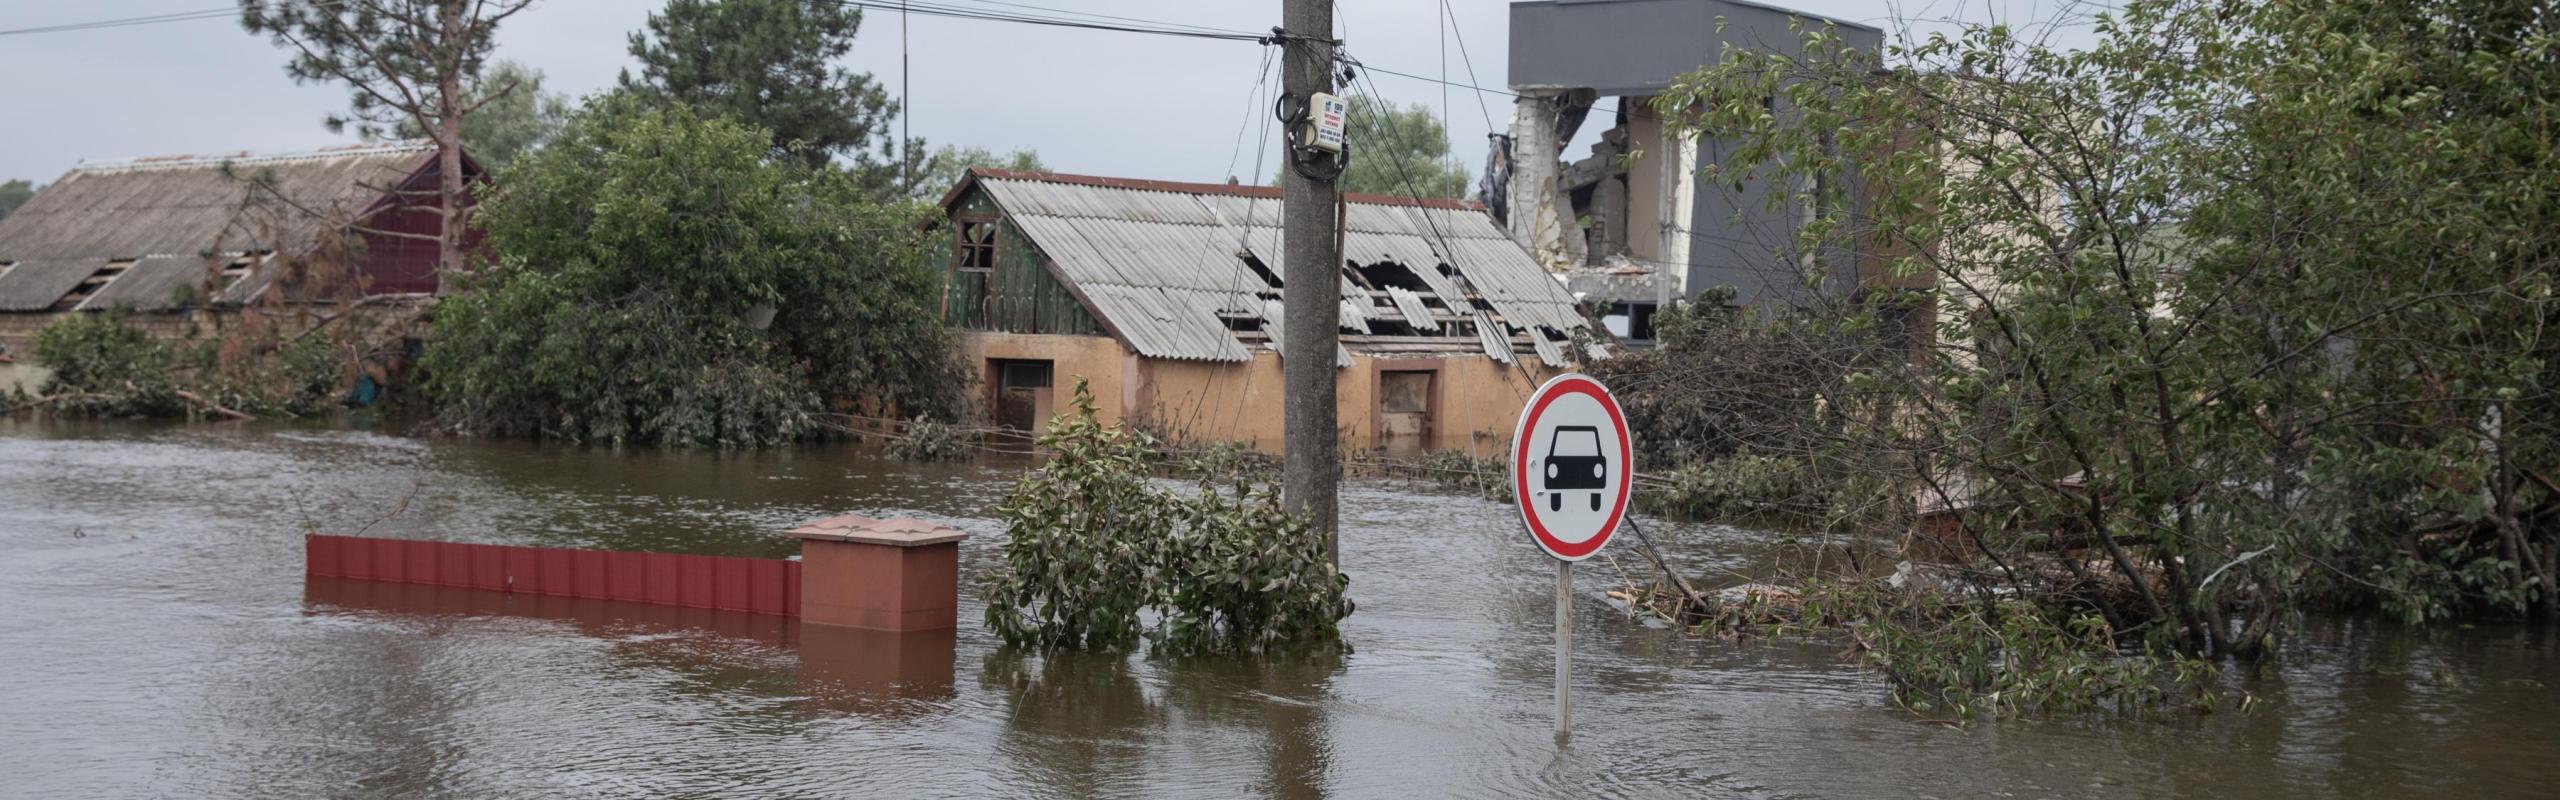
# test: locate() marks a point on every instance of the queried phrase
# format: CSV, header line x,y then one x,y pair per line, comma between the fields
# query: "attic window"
x,y
977,251
90,285
237,269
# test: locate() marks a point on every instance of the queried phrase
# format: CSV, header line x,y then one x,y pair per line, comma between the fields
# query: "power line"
x,y
1156,22
1085,23
1450,18
174,16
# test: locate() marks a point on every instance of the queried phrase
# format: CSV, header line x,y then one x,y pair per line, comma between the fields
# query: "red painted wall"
x,y
402,264
398,264
755,585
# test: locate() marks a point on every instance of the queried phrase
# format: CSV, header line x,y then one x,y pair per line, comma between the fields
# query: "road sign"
x,y
1572,469
1572,466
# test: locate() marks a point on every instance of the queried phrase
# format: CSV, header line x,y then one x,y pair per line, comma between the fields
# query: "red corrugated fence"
x,y
755,585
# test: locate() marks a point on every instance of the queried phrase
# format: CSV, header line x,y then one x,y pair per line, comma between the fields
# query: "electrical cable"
x,y
149,19
174,16
1157,29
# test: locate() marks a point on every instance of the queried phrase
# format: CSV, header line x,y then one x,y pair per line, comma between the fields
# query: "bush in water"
x,y
1091,542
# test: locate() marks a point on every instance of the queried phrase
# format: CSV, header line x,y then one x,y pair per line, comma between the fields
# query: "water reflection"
x,y
160,640
888,676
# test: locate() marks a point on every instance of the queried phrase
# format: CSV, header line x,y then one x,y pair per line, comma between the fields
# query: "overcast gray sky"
x,y
1089,101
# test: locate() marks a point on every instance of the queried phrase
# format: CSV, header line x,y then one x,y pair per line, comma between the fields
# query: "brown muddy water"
x,y
157,639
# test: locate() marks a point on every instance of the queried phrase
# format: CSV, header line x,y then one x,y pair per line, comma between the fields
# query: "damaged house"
x,y
1636,223
185,243
1165,298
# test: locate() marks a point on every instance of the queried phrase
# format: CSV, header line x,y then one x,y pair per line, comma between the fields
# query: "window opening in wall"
x,y
1404,406
1630,322
977,251
1022,393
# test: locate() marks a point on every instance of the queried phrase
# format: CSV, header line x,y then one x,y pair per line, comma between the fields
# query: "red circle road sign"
x,y
1572,466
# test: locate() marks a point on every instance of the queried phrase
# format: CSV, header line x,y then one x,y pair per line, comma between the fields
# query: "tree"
x,y
2242,308
16,193
1399,152
404,62
946,167
667,277
770,64
518,118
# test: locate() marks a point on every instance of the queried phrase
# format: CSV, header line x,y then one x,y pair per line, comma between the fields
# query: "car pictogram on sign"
x,y
1574,462
1572,466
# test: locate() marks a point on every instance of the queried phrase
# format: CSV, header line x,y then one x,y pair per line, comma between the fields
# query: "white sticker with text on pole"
x,y
1572,466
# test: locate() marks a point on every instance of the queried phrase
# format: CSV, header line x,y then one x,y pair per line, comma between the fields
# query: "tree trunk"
x,y
448,136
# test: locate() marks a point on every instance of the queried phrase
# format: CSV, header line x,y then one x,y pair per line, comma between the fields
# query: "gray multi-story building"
x,y
1637,232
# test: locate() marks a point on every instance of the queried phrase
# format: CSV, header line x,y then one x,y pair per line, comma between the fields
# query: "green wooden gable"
x,y
1009,289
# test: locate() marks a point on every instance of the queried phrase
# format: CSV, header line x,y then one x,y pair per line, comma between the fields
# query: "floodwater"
x,y
157,638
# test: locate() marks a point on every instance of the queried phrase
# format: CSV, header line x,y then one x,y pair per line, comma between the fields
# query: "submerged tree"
x,y
666,277
2241,309
405,62
770,64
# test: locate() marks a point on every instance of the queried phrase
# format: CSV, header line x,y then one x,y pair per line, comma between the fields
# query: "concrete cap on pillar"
x,y
894,532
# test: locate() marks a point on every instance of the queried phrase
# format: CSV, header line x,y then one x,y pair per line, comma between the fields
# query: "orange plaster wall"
x,y
1475,400
1097,359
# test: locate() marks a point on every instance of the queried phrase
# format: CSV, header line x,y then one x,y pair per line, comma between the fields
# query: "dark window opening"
x,y
90,285
1389,274
237,269
1630,322
977,251
1022,393
1017,374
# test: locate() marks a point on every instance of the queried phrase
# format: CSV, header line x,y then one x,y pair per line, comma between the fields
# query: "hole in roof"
x,y
1389,274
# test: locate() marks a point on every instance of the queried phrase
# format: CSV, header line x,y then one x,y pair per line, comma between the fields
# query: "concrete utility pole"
x,y
1311,291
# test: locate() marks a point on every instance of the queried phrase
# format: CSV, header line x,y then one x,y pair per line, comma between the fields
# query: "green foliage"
x,y
395,56
2004,658
927,440
508,126
948,165
1221,461
771,64
640,247
1091,543
1488,477
2242,305
1399,152
105,367
13,194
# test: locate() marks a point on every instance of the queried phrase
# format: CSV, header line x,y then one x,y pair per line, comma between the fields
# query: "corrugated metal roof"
x,y
1496,340
152,284
187,206
1166,256
33,284
1415,312
1548,351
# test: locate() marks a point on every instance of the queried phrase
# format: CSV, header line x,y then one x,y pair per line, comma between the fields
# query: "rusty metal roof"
x,y
1160,262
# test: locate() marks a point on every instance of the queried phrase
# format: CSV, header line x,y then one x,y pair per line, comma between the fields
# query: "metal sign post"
x,y
1564,648
1572,472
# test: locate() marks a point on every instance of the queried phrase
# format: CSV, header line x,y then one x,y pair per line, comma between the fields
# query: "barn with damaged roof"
x,y
1164,298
